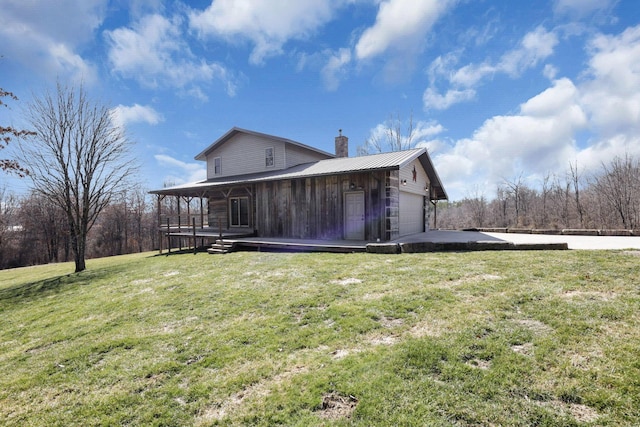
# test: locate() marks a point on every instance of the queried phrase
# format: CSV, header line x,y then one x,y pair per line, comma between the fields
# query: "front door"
x,y
354,215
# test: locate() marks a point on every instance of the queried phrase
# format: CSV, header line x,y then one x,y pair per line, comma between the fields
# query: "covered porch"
x,y
196,216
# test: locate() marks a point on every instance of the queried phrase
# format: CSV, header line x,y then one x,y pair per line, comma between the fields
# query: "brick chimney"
x,y
342,145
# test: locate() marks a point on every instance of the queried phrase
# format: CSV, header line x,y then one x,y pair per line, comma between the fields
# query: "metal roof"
x,y
340,165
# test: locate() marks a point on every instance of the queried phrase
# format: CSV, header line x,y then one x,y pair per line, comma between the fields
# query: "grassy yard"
x,y
464,339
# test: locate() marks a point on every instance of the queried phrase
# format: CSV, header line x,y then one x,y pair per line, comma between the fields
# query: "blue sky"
x,y
496,89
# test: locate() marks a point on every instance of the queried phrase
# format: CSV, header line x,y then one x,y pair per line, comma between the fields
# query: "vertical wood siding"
x,y
312,208
219,206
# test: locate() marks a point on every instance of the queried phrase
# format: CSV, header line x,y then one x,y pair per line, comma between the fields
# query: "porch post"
x,y
195,245
201,214
201,220
168,236
160,239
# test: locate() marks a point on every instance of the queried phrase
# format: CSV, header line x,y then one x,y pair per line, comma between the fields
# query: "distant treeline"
x,y
33,231
608,198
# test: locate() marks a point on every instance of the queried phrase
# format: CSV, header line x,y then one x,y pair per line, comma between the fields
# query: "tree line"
x,y
606,198
33,230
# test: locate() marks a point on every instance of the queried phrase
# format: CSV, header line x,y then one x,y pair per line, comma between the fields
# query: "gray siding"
x,y
298,155
245,154
422,181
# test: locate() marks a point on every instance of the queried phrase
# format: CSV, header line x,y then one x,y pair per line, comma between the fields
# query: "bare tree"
x,y
619,184
78,160
477,203
575,182
515,188
392,135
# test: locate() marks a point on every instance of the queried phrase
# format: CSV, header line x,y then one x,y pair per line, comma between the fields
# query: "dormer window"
x,y
268,157
217,166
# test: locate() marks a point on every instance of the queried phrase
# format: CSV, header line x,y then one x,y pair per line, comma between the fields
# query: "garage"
x,y
411,213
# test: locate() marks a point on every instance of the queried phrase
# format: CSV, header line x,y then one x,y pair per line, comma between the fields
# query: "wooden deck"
x,y
431,241
299,245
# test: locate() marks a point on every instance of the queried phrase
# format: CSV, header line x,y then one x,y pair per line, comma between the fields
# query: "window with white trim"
x,y
239,211
268,157
217,166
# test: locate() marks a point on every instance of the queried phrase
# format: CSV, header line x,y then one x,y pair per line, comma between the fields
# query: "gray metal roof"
x,y
341,165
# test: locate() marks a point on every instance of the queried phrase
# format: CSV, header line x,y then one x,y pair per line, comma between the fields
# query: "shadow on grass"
x,y
29,291
184,251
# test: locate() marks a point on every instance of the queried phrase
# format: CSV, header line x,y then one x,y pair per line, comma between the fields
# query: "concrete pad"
x,y
573,242
476,240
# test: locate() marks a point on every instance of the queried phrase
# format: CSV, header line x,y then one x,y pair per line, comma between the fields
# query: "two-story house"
x,y
276,187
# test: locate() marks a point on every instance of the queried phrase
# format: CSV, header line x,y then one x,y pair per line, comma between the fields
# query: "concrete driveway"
x,y
574,242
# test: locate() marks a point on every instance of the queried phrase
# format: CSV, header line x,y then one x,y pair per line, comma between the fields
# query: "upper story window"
x,y
217,166
268,157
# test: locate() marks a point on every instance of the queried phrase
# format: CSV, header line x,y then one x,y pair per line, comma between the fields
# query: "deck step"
x,y
221,247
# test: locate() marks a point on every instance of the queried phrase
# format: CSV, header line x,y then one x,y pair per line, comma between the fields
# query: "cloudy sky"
x,y
496,89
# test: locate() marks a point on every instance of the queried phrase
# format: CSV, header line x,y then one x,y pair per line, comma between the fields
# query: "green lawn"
x,y
249,338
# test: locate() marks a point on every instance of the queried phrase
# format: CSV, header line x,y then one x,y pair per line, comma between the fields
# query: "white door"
x,y
411,213
354,216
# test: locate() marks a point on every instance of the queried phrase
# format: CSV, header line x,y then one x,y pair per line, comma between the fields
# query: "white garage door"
x,y
411,213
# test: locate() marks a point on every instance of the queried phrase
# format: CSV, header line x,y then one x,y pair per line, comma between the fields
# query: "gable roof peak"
x,y
237,130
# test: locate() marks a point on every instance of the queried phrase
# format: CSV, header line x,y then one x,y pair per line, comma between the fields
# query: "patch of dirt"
x,y
171,273
489,277
390,322
581,413
586,360
632,253
261,389
432,328
535,325
336,406
373,296
384,340
591,295
348,281
479,363
141,281
526,348
341,353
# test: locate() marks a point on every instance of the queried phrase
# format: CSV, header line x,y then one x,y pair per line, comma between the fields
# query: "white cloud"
x,y
123,115
179,172
590,122
154,53
267,25
400,25
534,47
335,68
540,138
30,33
612,94
581,7
434,100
